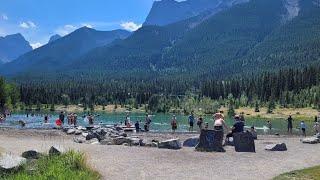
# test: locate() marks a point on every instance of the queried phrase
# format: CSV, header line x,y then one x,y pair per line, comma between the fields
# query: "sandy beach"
x,y
123,162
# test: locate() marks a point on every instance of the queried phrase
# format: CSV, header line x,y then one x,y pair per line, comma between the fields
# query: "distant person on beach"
x,y
242,117
253,132
46,119
269,125
237,127
290,120
174,124
191,121
75,119
61,117
303,128
147,123
127,121
200,122
316,127
219,123
91,119
137,126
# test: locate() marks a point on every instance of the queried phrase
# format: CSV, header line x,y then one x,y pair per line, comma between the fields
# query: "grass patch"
x,y
304,174
69,166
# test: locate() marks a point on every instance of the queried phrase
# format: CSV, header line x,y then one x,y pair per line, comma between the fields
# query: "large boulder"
x,y
244,142
310,140
276,147
32,154
191,142
170,144
210,141
56,150
10,163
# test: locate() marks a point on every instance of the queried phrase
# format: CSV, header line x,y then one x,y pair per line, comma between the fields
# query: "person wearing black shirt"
x,y
237,127
290,120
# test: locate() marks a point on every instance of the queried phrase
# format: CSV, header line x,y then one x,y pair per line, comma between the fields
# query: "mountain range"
x,y
12,46
217,39
60,52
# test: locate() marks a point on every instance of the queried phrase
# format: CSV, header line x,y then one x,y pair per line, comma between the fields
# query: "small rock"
x,y
107,141
126,144
10,163
32,154
71,131
191,142
154,144
56,150
170,144
77,132
310,140
121,140
84,134
94,141
276,147
79,139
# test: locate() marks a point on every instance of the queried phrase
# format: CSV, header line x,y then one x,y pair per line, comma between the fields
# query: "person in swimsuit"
x,y
174,124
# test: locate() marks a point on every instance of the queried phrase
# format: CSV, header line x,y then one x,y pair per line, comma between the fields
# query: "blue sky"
x,y
37,20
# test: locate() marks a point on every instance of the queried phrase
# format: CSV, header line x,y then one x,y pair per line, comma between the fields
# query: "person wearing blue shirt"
x,y
191,121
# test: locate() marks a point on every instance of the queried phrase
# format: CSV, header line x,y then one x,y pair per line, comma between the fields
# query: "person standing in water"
x,y
290,120
269,125
147,123
200,122
174,124
191,121
303,128
61,117
46,119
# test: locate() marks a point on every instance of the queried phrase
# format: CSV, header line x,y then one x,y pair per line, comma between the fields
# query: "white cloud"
x,y
4,17
27,25
130,26
66,29
35,45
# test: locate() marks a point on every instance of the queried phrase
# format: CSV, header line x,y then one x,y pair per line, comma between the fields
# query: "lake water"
x,y
160,122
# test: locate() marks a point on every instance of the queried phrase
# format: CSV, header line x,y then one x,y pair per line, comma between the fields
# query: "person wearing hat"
x,y
174,124
237,127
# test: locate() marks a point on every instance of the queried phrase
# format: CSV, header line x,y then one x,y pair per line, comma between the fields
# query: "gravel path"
x,y
121,162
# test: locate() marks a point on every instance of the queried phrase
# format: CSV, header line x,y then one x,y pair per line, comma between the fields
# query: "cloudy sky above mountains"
x,y
37,20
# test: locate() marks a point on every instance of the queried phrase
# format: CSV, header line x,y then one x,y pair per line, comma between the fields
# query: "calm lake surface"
x,y
160,122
